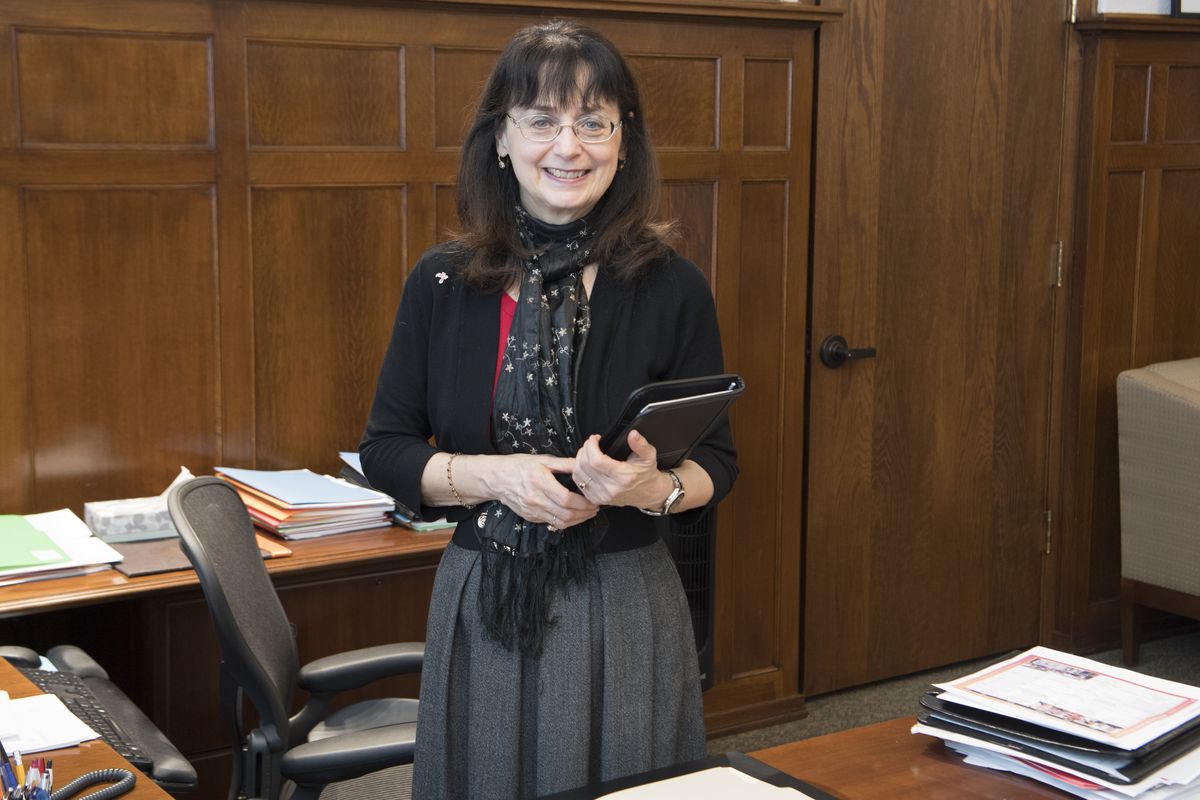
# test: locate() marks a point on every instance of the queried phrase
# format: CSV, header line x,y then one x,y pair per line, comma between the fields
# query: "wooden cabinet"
x,y
1133,285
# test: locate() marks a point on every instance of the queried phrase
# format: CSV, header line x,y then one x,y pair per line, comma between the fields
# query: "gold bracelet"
x,y
450,480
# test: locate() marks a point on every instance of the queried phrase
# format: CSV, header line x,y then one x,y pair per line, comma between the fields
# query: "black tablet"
x,y
674,416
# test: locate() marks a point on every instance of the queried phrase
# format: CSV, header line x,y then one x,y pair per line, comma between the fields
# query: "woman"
x,y
559,648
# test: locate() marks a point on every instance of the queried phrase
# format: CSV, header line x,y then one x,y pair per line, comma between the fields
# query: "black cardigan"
x,y
436,379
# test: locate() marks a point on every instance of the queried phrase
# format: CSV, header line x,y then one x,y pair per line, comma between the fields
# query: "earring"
x,y
500,159
620,165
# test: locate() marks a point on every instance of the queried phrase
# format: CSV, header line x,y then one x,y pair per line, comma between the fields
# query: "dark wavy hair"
x,y
559,62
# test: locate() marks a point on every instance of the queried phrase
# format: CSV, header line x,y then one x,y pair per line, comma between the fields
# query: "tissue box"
x,y
134,520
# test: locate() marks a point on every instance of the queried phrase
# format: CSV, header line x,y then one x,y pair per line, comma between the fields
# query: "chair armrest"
x,y
356,668
350,756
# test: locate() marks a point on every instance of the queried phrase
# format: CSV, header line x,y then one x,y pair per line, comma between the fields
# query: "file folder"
x,y
1094,758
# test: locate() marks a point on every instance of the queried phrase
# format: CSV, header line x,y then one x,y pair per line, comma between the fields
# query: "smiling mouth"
x,y
566,174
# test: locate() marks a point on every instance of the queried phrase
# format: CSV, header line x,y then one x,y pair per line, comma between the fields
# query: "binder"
x,y
1088,756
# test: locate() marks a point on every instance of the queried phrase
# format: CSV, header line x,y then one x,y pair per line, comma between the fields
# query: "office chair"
x,y
259,661
693,549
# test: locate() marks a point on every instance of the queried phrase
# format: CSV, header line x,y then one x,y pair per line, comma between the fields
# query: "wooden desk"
x,y
344,550
154,636
71,762
886,762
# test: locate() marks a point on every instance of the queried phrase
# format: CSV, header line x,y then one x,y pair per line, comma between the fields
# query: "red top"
x,y
508,307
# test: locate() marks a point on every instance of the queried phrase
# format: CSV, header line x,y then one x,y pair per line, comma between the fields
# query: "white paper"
x,y
185,474
1076,695
39,723
353,459
717,783
989,760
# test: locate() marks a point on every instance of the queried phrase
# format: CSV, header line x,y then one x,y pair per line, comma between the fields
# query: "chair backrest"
x,y
693,549
253,633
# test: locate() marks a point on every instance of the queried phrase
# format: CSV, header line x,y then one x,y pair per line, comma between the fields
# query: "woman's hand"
x,y
636,481
525,483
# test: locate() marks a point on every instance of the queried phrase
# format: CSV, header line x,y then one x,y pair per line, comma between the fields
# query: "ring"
x,y
583,484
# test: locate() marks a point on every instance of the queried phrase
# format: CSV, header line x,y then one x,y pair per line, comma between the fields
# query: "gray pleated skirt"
x,y
615,691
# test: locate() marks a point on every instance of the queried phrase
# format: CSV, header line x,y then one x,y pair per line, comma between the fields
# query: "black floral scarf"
x,y
533,411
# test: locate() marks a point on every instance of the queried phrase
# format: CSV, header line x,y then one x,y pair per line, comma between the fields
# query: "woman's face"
x,y
563,179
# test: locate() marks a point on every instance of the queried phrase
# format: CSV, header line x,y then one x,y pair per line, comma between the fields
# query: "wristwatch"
x,y
672,499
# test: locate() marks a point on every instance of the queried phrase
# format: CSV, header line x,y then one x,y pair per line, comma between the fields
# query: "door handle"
x,y
835,352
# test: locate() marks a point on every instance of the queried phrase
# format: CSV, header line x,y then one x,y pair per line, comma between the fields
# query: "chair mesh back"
x,y
692,547
252,629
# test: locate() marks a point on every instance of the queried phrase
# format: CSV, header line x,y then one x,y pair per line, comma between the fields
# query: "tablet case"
x,y
674,416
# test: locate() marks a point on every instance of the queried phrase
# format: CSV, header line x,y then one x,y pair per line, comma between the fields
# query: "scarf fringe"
x,y
516,593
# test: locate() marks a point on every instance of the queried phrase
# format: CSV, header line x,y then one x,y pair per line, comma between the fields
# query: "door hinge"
x,y
1074,11
1058,264
1049,529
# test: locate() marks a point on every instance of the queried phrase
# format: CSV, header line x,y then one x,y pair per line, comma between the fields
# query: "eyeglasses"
x,y
588,129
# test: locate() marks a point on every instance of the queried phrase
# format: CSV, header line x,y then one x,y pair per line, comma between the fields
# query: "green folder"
x,y
22,545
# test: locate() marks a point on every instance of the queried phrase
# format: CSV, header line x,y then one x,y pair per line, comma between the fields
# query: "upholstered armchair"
x,y
1159,440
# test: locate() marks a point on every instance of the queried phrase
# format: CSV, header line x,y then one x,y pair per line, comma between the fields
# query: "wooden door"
x,y
937,169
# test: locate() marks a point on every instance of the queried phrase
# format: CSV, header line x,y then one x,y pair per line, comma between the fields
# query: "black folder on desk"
x,y
1058,747
739,761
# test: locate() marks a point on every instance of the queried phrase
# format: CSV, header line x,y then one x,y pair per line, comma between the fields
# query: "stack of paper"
x,y
1089,729
403,515
55,544
716,783
300,504
40,723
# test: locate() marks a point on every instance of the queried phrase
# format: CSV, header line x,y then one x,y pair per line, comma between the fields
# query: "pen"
x,y
4,770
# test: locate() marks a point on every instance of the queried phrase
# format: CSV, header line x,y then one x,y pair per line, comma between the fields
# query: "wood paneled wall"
x,y
1134,288
208,208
